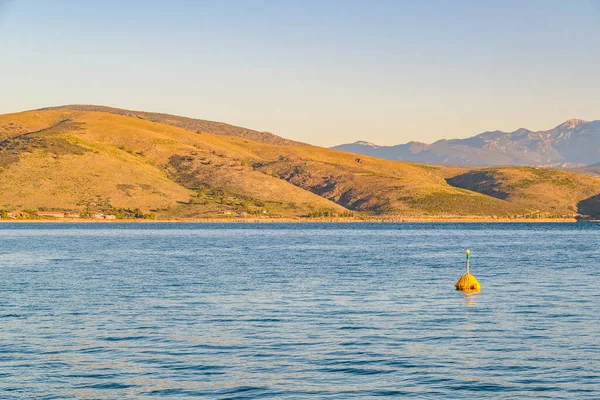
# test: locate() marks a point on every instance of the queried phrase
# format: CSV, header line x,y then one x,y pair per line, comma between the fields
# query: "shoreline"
x,y
297,220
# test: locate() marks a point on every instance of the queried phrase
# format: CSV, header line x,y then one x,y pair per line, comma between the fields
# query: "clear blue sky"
x,y
324,72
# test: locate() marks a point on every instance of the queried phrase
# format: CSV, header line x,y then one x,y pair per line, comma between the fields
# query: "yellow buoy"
x,y
468,283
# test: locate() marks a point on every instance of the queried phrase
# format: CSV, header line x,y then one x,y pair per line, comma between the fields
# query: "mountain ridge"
x,y
194,124
573,143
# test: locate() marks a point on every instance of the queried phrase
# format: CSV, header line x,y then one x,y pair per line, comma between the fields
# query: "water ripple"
x,y
324,311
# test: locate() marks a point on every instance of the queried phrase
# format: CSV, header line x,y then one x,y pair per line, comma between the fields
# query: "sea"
x,y
299,311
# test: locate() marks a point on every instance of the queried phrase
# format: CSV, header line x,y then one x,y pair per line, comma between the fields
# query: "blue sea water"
x,y
298,311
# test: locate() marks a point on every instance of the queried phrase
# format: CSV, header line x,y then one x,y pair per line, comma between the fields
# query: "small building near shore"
x,y
18,214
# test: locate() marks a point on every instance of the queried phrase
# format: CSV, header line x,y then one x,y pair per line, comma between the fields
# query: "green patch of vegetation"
x,y
44,140
458,204
427,167
95,205
217,201
521,184
126,188
125,213
546,175
330,214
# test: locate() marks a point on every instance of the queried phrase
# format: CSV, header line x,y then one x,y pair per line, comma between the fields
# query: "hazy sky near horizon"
x,y
324,72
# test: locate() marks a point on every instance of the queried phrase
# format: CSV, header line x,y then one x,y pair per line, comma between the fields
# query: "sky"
x,y
324,72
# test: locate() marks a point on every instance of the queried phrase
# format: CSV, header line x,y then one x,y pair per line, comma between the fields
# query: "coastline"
x,y
298,220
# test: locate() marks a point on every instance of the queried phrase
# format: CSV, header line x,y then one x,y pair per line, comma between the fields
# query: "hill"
x,y
81,160
199,125
591,170
574,143
74,160
545,191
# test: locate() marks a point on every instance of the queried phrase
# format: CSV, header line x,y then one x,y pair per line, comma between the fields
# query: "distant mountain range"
x,y
575,143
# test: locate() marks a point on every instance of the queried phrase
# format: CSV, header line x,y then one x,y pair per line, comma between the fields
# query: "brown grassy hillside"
x,y
136,164
380,187
548,191
87,161
218,128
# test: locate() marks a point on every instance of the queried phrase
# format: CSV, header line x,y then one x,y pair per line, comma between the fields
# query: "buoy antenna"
x,y
468,283
468,253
